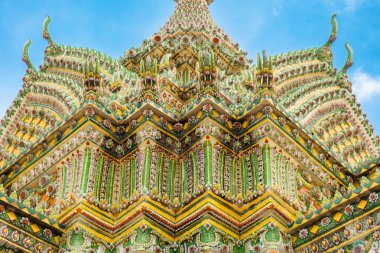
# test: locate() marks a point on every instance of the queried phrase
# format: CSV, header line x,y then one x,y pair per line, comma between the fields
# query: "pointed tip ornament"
x,y
45,32
334,30
349,60
25,55
259,63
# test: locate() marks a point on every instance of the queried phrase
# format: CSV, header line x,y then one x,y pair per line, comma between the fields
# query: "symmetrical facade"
x,y
183,145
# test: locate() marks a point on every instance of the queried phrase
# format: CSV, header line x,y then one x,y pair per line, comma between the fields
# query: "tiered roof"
x,y
181,122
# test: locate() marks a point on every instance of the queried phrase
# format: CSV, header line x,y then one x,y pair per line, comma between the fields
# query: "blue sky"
x,y
274,25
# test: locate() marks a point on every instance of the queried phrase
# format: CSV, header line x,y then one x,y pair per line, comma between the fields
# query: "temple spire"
x,y
194,1
189,14
192,26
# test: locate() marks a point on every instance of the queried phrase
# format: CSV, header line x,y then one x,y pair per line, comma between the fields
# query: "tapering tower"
x,y
183,145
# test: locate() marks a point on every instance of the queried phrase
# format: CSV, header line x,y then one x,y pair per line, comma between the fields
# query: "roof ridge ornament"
x,y
349,60
334,30
45,32
25,55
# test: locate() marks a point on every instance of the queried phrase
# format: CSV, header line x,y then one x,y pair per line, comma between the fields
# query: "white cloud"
x,y
365,86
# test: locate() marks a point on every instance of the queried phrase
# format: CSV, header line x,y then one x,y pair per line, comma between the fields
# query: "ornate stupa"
x,y
184,145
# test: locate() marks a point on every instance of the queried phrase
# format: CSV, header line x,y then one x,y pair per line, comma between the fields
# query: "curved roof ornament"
x,y
25,55
45,32
334,30
349,61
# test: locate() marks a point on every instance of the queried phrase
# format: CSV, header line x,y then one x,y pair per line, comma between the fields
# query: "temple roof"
x,y
189,43
180,123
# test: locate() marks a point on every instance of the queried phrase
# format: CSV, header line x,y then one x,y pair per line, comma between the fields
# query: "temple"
x,y
184,145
